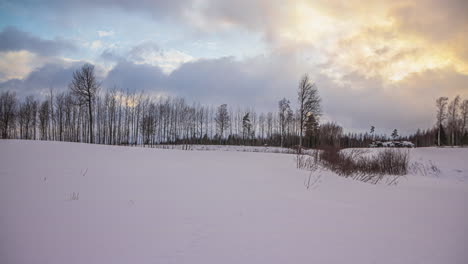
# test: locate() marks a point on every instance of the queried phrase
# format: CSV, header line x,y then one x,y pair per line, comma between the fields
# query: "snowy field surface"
x,y
88,204
263,149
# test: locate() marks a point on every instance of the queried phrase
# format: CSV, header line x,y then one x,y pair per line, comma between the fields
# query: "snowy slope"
x,y
136,205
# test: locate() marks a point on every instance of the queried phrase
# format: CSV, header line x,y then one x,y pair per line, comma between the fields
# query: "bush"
x,y
367,168
357,164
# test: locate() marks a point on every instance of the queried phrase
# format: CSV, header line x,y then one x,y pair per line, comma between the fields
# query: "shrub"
x,y
357,164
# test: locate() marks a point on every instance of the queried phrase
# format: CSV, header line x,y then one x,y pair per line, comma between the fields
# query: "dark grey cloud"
x,y
224,79
41,80
12,39
129,76
258,82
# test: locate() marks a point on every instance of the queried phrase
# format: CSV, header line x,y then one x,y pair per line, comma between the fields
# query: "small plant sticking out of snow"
x,y
311,163
75,196
425,169
312,180
308,162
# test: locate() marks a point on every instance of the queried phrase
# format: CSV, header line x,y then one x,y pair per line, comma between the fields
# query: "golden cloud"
x,y
387,39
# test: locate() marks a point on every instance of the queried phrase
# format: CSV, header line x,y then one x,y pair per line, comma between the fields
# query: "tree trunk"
x,y
438,137
90,122
300,140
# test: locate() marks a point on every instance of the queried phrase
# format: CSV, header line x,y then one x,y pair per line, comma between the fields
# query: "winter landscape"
x,y
200,131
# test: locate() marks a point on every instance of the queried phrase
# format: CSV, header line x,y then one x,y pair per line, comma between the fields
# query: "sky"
x,y
379,63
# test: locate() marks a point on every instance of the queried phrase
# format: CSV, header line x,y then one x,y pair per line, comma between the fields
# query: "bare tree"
x,y
85,87
261,124
309,103
44,119
222,119
453,117
284,112
464,116
441,104
7,113
27,118
330,134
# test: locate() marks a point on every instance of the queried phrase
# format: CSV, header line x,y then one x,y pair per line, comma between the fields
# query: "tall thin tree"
x,y
309,103
85,87
222,119
453,118
441,105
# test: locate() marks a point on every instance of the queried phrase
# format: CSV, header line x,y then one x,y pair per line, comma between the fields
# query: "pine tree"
x,y
395,134
311,130
246,126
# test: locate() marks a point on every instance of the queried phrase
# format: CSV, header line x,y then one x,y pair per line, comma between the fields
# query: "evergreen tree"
x,y
311,130
395,134
246,126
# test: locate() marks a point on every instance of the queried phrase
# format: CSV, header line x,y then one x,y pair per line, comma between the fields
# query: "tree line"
x,y
452,118
85,113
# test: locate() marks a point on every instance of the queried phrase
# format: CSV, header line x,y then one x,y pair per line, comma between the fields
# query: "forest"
x,y
87,113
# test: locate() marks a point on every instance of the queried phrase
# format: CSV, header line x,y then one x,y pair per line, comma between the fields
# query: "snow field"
x,y
78,203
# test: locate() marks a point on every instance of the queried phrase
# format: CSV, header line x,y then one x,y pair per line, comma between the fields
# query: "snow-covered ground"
x,y
263,149
77,203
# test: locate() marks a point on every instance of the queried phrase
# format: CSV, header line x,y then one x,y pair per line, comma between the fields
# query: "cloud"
x,y
434,29
209,81
157,9
54,76
97,44
149,53
388,39
103,33
136,77
110,55
259,81
12,39
437,20
18,64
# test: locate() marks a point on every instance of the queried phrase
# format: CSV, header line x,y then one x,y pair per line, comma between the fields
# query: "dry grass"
x,y
388,164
